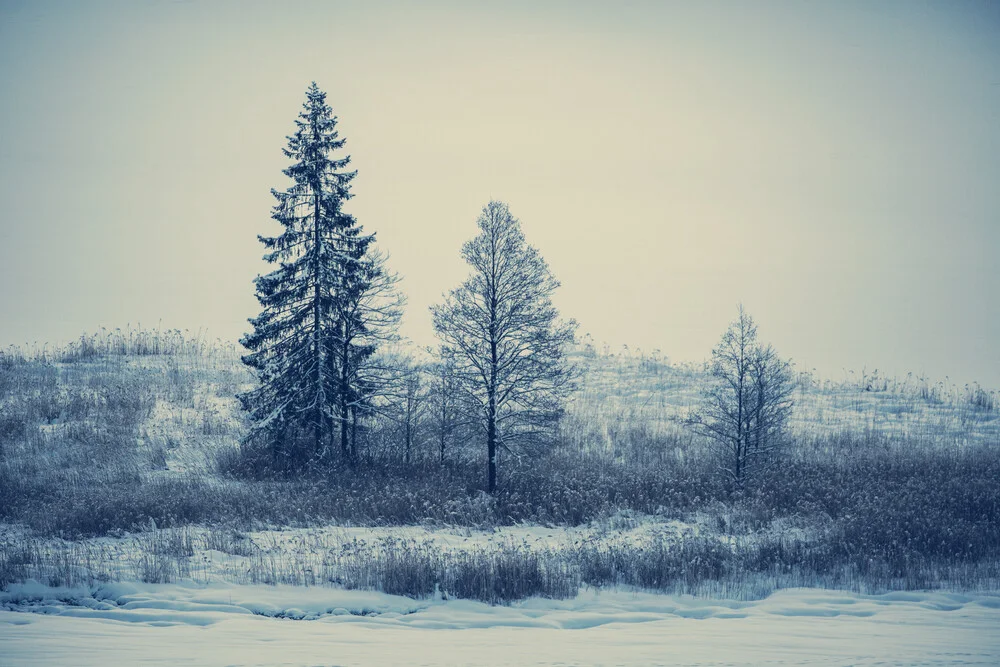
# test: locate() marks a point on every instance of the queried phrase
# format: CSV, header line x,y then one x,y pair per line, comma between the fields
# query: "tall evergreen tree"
x,y
321,267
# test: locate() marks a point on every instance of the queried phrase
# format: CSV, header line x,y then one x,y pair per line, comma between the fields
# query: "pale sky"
x,y
834,166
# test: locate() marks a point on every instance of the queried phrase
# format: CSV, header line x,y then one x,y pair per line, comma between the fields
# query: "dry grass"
x,y
893,479
751,567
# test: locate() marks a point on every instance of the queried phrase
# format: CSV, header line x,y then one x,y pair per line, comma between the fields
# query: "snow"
x,y
216,614
196,413
633,390
220,623
309,555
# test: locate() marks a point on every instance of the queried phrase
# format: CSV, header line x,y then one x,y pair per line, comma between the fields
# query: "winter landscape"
x,y
406,440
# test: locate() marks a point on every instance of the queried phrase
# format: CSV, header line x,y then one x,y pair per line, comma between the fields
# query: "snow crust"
x,y
190,624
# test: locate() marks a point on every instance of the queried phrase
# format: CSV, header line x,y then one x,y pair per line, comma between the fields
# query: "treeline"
x,y
329,383
336,387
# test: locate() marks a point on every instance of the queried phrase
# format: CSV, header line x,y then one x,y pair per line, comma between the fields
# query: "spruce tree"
x,y
296,343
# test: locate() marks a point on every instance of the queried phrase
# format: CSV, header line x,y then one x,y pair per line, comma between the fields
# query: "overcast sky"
x,y
834,166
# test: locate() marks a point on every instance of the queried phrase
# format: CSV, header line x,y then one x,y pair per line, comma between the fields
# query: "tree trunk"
x,y
491,444
344,449
317,341
354,433
444,416
409,430
491,414
444,412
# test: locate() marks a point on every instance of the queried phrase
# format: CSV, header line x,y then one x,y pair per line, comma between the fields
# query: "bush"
x,y
890,508
660,565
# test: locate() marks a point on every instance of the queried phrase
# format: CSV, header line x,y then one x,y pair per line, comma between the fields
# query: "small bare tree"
x,y
745,410
449,411
413,406
508,341
367,320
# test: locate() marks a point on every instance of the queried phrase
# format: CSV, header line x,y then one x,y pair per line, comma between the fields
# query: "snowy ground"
x,y
195,414
311,556
208,618
258,625
217,611
632,389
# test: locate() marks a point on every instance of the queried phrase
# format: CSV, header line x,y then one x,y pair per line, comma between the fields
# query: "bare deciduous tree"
x,y
367,319
745,410
507,338
448,407
413,405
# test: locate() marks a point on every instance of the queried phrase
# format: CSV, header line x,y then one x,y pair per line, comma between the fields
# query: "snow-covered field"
x,y
224,596
223,624
632,389
195,413
356,557
206,618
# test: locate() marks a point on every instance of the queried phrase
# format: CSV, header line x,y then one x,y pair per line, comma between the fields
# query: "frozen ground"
x,y
220,613
195,413
632,389
224,624
319,555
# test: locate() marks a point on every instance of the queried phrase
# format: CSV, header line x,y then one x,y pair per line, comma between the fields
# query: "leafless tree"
x,y
745,410
450,413
367,320
413,406
508,341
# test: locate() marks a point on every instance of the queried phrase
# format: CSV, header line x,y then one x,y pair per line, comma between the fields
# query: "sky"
x,y
835,167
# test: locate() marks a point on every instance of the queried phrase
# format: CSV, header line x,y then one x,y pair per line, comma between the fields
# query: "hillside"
x,y
178,393
131,437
